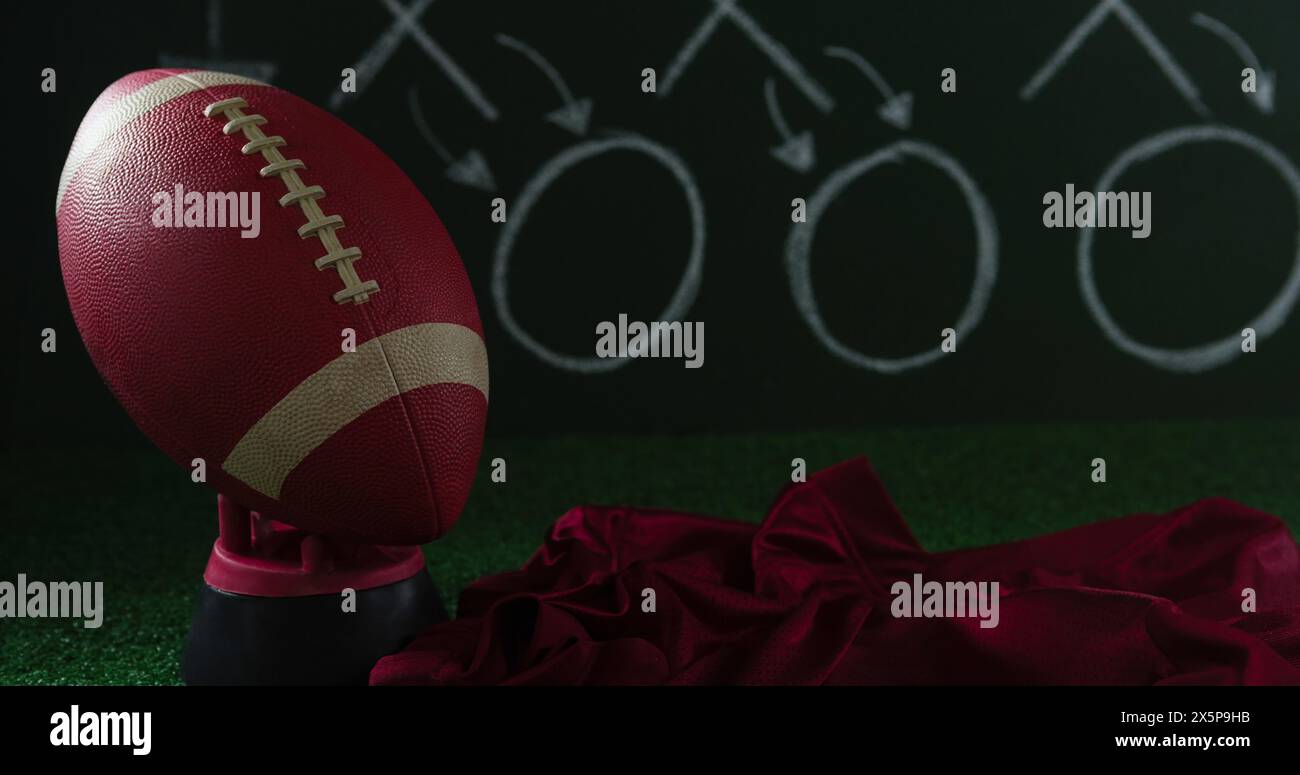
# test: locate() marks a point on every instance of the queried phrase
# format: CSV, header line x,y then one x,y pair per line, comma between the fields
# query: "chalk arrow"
x,y
796,151
471,169
575,114
1262,97
1265,80
897,111
897,108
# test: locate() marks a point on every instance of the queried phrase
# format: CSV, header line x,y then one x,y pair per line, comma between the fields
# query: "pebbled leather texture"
x,y
201,333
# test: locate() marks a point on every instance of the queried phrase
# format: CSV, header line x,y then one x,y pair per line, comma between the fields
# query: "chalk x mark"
x,y
406,22
1135,25
897,108
575,114
470,169
796,151
783,59
1265,80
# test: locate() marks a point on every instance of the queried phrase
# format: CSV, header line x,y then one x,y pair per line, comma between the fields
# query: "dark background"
x,y
893,259
1014,418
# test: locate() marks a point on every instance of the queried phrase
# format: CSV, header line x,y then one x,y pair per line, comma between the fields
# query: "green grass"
x,y
134,521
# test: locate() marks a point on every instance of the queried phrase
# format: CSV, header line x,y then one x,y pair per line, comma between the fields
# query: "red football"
x,y
227,341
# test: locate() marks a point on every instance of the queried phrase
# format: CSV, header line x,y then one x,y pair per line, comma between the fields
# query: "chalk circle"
x,y
799,248
1209,356
687,289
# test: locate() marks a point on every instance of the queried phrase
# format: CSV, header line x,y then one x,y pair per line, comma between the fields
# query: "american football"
x,y
998,390
326,366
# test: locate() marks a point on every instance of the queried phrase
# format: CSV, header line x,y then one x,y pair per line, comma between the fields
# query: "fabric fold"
x,y
805,598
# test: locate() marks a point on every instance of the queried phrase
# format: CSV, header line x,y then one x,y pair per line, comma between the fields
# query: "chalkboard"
x,y
924,206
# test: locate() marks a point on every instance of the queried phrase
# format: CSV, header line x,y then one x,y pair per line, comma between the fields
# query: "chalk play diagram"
x,y
794,77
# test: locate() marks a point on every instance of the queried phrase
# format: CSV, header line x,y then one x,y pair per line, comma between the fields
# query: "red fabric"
x,y
805,598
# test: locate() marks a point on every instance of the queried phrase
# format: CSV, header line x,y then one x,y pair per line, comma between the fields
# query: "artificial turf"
x,y
133,520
